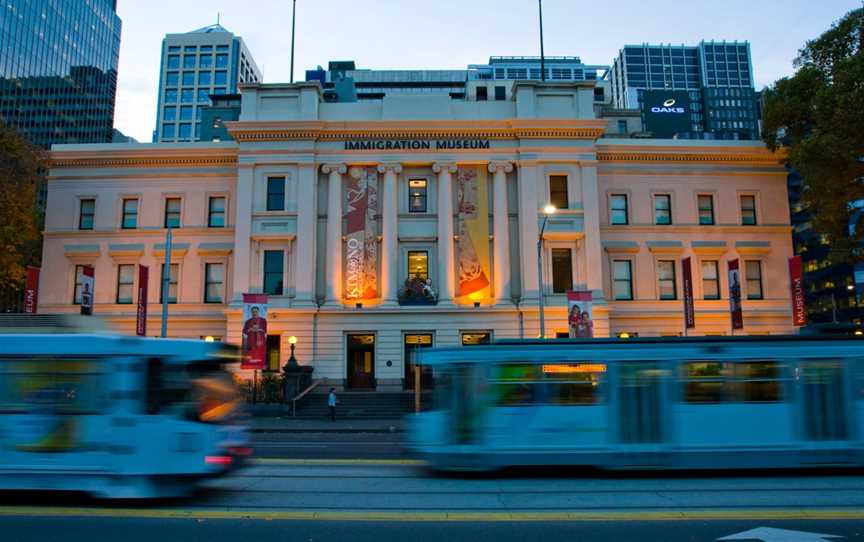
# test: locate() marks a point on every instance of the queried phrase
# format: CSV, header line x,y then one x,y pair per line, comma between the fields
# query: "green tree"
x,y
818,113
21,165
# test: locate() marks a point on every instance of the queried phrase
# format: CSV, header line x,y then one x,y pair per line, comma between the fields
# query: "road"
x,y
297,499
330,445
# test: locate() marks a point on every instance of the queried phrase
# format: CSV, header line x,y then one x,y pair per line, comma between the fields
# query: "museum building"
x,y
381,226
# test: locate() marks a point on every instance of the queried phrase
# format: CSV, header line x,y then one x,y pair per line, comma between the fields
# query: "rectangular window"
x,y
172,213
274,352
125,280
706,209
618,209
171,96
622,280
185,131
172,79
562,270
187,95
216,212
622,126
476,338
169,131
188,62
418,264
87,210
205,79
172,283
666,279
746,382
173,62
186,112
214,278
748,210
558,191
221,78
276,193
710,280
203,96
170,112
481,94
79,281
188,79
662,209
130,214
205,61
417,196
500,93
753,270
221,61
273,271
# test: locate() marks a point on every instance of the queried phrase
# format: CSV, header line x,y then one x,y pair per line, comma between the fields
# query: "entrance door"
x,y
361,361
413,343
824,401
640,412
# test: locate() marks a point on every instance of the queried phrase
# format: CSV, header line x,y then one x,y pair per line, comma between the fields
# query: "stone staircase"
x,y
361,405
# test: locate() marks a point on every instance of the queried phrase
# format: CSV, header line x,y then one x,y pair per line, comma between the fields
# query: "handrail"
x,y
303,394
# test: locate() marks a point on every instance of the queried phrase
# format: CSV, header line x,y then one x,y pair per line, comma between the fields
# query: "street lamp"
x,y
548,211
292,361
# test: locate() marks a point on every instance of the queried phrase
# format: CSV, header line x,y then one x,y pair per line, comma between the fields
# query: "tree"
x,y
818,113
21,165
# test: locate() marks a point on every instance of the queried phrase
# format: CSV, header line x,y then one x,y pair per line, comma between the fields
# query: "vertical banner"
x,y
87,285
687,278
31,291
361,244
579,314
796,283
254,331
735,296
472,246
141,320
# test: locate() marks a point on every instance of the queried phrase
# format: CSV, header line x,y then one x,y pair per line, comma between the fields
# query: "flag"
x,y
472,246
687,277
141,320
735,295
254,332
579,314
796,283
31,291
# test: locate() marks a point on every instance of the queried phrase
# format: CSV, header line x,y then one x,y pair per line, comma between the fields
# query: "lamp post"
x,y
292,361
547,212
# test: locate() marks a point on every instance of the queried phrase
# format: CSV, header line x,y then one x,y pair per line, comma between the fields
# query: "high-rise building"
x,y
210,60
712,83
58,69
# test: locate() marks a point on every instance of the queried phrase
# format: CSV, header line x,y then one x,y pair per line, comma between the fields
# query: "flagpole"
x,y
542,55
293,17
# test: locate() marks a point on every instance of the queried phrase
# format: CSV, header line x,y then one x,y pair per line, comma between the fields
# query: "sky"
x,y
452,34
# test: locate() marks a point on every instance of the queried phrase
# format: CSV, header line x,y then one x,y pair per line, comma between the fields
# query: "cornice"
x,y
61,159
326,131
682,155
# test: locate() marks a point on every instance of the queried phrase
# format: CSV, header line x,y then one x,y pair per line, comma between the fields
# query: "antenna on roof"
x,y
217,17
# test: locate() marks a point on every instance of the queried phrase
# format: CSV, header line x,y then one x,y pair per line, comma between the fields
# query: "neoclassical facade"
x,y
380,226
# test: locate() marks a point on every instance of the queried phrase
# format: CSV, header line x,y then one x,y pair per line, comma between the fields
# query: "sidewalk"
x,y
287,424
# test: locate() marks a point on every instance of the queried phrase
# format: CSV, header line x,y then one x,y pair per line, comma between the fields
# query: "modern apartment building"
x,y
58,69
712,81
194,65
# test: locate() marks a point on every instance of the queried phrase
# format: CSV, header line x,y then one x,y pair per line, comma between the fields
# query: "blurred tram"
x,y
116,416
700,403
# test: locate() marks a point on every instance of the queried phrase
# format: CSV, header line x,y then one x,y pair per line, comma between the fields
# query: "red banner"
x,y
141,321
254,332
796,283
31,292
689,310
88,282
735,295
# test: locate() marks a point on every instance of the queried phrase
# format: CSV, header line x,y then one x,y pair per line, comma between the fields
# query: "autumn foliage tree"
x,y
21,165
818,113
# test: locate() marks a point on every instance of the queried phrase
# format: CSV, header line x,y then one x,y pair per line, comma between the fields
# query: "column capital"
x,y
438,167
505,165
395,167
356,171
334,168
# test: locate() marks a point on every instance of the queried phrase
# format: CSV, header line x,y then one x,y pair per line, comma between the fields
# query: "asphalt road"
x,y
331,445
397,500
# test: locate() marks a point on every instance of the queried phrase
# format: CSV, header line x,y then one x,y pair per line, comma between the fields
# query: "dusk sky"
x,y
452,34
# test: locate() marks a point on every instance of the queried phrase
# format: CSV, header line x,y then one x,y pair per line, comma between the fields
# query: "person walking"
x,y
331,404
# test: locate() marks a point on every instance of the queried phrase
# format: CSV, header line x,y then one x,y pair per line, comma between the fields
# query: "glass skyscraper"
x,y
58,69
718,76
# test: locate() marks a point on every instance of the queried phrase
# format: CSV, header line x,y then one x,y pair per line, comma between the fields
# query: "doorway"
x,y
361,361
413,342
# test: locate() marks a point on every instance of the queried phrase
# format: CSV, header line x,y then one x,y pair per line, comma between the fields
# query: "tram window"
x,y
704,382
748,382
758,381
572,393
516,394
557,384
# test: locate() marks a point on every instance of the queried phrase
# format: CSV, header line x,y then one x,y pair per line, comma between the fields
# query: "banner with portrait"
x,y
361,239
472,246
735,311
254,344
88,282
580,322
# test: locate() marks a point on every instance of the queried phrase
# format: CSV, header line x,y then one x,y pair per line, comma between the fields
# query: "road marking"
x,y
438,516
283,461
770,534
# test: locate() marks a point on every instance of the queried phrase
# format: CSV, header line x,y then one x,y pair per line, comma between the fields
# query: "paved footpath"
x,y
297,499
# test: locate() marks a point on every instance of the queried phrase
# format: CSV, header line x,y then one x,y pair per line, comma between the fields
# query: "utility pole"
x,y
293,17
166,282
542,55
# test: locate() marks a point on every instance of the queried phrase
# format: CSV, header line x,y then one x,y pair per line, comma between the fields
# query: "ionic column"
x,y
529,230
242,231
389,232
446,268
501,231
334,231
593,248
